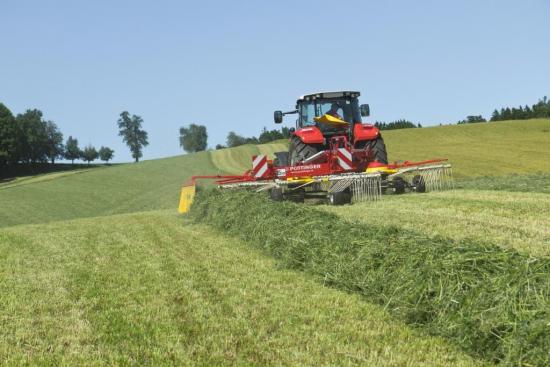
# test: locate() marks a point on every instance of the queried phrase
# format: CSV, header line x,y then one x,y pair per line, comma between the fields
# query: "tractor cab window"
x,y
344,109
307,113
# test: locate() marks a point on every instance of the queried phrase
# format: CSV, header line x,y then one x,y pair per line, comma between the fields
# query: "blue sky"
x,y
229,64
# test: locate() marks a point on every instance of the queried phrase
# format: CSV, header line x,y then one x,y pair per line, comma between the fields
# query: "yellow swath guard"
x,y
186,198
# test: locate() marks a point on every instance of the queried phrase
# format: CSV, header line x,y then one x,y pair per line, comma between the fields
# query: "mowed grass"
x,y
518,220
152,289
24,180
147,288
519,147
147,185
238,160
490,301
485,149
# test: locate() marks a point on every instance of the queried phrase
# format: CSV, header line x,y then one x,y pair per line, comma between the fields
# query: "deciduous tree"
x,y
89,154
132,133
33,138
54,142
193,138
8,136
106,154
72,151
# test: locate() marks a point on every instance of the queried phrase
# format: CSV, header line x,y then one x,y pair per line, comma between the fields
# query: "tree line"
x,y
399,124
541,109
27,139
194,138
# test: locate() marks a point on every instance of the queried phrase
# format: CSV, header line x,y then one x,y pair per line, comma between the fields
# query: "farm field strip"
x,y
516,183
26,180
490,301
485,149
509,219
151,288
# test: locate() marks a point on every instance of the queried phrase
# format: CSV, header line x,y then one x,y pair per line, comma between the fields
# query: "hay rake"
x,y
358,179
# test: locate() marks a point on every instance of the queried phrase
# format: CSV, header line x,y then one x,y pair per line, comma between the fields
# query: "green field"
x,y
489,149
151,288
96,267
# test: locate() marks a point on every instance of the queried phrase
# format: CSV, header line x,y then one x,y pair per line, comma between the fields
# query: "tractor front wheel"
x,y
299,151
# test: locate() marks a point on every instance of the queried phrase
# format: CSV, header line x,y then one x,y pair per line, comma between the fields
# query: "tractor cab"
x,y
343,106
324,115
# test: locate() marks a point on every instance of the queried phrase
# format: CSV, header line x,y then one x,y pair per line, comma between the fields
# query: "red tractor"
x,y
332,155
322,116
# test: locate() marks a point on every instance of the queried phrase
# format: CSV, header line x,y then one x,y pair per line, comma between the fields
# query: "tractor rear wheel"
x,y
377,147
299,151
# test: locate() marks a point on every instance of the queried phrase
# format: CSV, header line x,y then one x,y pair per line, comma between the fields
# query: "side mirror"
x,y
365,110
278,117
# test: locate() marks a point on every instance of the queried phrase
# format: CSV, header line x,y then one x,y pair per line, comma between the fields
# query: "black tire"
x,y
281,159
339,198
276,194
419,183
296,196
299,151
398,185
377,147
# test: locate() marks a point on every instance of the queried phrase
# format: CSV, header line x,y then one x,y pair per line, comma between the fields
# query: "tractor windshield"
x,y
344,109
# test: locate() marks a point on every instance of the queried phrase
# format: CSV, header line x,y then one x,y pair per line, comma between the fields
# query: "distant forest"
x,y
541,109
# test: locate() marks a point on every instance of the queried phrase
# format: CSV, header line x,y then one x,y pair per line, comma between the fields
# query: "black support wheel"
x,y
276,194
299,151
339,198
419,183
377,147
399,185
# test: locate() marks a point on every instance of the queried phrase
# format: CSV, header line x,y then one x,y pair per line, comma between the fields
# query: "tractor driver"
x,y
334,111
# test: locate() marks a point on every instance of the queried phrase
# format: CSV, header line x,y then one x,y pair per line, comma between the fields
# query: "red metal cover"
x,y
310,135
363,132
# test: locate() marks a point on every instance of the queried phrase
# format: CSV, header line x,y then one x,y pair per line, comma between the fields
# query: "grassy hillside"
x,y
147,185
151,289
474,150
236,161
491,149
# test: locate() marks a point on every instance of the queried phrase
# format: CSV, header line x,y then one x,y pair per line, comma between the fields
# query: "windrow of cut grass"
x,y
492,302
153,289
